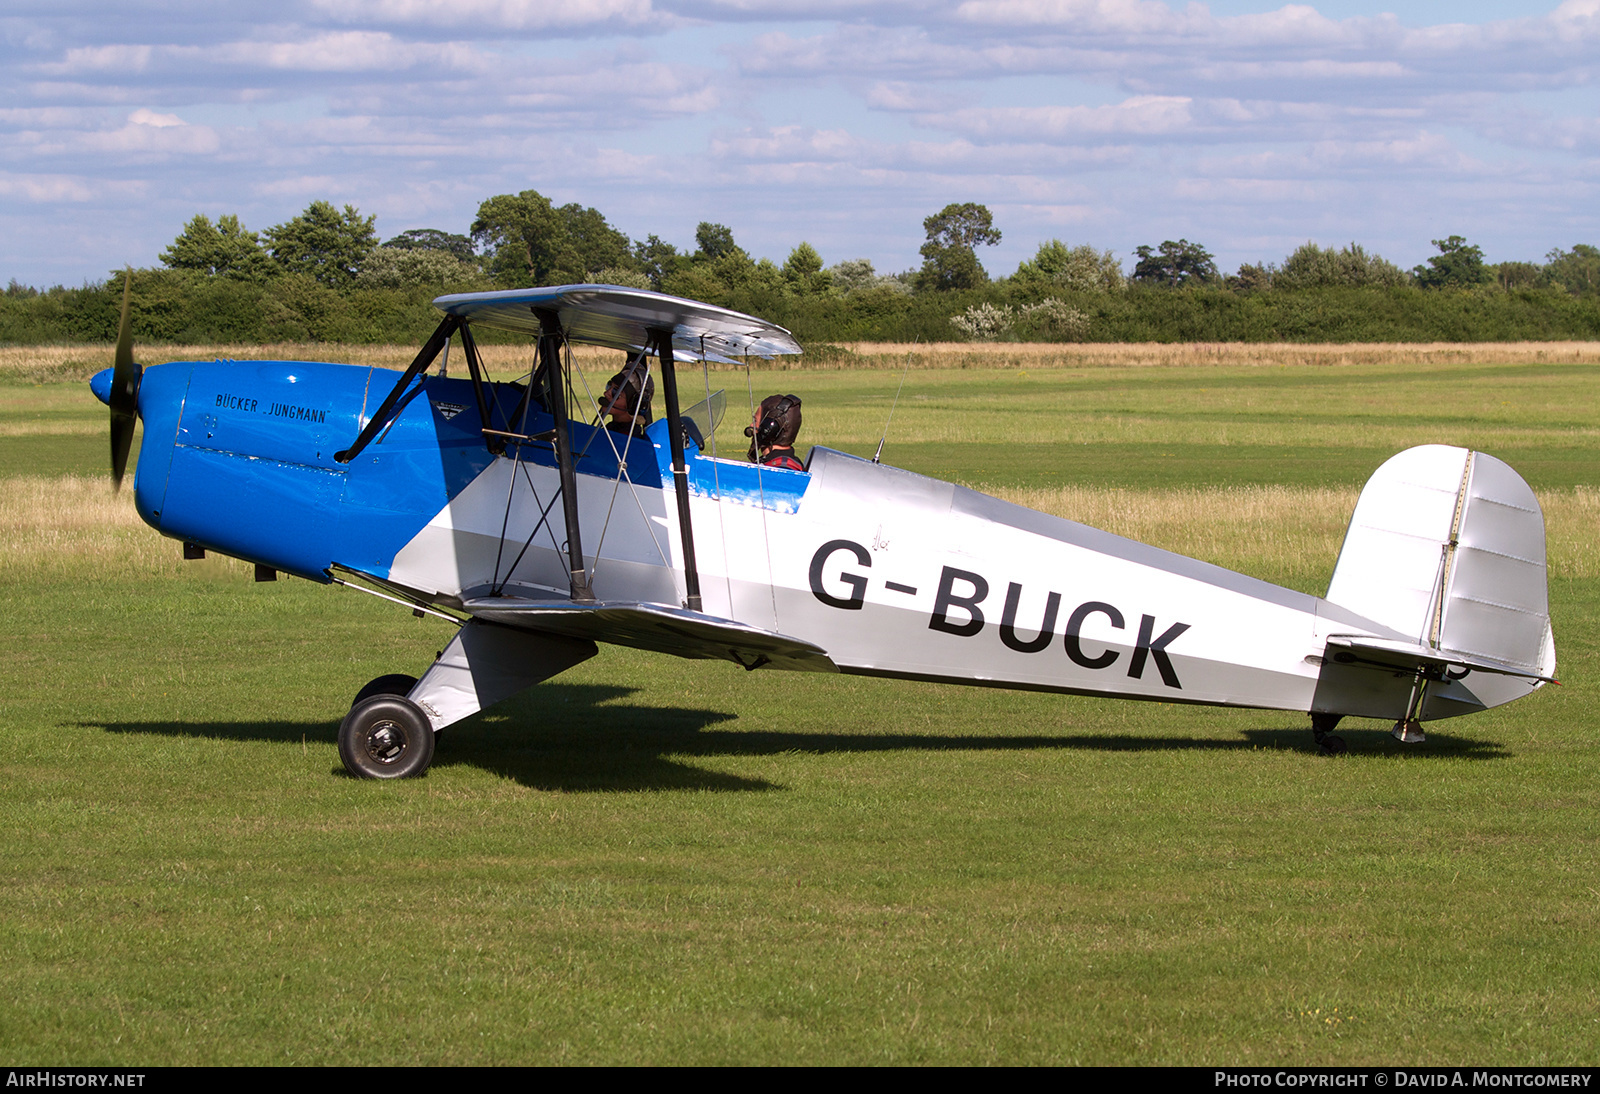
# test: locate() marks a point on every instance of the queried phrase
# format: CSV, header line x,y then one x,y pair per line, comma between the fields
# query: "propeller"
x,y
125,376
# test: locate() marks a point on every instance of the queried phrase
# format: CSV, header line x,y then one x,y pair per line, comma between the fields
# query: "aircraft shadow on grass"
x,y
572,737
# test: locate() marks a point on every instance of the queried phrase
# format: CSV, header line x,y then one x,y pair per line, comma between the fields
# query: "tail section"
x,y
1446,547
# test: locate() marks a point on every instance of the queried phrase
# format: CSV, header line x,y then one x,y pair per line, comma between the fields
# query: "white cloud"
x,y
1142,116
903,96
47,188
1085,16
513,15
789,143
1135,118
143,116
125,60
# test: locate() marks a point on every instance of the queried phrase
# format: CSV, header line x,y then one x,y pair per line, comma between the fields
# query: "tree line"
x,y
325,275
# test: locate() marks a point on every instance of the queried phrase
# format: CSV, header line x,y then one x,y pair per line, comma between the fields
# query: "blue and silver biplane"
x,y
540,533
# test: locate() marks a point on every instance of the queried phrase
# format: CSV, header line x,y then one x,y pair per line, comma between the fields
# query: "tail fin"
x,y
1447,547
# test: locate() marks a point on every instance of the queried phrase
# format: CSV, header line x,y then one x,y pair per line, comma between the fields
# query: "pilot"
x,y
772,432
628,405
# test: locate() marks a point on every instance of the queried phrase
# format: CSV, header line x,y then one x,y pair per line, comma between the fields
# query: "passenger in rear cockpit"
x,y
627,400
772,432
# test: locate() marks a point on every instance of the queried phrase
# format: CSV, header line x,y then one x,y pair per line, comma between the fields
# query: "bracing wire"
x,y
543,522
511,488
642,360
878,455
716,476
766,537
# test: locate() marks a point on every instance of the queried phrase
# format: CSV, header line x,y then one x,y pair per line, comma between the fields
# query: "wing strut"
x,y
425,357
680,473
550,364
475,368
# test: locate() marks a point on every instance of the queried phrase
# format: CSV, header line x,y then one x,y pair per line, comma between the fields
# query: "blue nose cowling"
x,y
100,384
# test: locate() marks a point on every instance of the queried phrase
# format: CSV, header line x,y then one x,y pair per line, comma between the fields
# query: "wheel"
x,y
1320,723
1408,731
396,683
385,737
1322,732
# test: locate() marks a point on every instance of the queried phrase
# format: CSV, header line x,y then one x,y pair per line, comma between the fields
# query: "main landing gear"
x,y
1322,726
394,721
1407,730
386,735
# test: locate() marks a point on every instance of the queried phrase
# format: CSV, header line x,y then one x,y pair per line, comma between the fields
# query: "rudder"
x,y
1447,547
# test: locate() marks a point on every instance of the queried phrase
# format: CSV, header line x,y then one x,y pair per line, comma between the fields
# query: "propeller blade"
x,y
125,376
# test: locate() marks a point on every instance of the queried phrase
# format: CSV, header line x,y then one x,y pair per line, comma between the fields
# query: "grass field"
x,y
655,861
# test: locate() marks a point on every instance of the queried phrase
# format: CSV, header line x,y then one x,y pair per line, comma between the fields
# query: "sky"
x,y
1244,127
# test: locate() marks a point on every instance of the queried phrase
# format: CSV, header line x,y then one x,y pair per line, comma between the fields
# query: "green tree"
x,y
432,239
803,271
855,275
1081,268
324,243
391,267
529,241
516,233
1252,277
1577,270
714,241
658,260
223,249
590,244
1517,275
1180,263
625,276
1312,267
852,275
1457,265
949,257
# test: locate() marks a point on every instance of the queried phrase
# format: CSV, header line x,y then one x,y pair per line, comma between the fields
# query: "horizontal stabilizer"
x,y
1409,656
658,627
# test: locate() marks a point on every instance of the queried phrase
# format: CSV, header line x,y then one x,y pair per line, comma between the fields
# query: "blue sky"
x,y
1245,127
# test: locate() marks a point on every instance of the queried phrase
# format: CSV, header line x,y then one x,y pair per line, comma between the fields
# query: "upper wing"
x,y
619,318
658,627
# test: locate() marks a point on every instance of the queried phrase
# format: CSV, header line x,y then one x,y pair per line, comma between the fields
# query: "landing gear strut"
x,y
1322,726
1408,730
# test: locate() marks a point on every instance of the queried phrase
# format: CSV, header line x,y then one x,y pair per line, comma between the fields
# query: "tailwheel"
x,y
386,737
1322,726
1408,731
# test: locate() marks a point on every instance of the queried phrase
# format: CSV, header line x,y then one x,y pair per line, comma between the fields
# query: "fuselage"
x,y
890,572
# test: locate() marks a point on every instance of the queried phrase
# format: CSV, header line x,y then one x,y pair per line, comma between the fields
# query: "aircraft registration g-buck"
x,y
540,534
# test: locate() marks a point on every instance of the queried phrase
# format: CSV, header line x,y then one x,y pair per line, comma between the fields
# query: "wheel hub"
x,y
386,742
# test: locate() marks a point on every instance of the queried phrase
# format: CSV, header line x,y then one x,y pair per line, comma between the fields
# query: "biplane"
x,y
539,533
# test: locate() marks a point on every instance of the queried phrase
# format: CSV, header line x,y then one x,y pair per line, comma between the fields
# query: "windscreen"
x,y
706,415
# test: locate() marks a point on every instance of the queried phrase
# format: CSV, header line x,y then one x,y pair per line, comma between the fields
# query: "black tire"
x,y
396,683
1322,726
386,737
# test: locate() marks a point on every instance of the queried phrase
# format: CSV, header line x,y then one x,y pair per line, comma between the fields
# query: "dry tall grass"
x,y
45,364
42,364
1001,355
1254,529
75,526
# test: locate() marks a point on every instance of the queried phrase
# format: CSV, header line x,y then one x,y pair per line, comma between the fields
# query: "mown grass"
x,y
649,860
